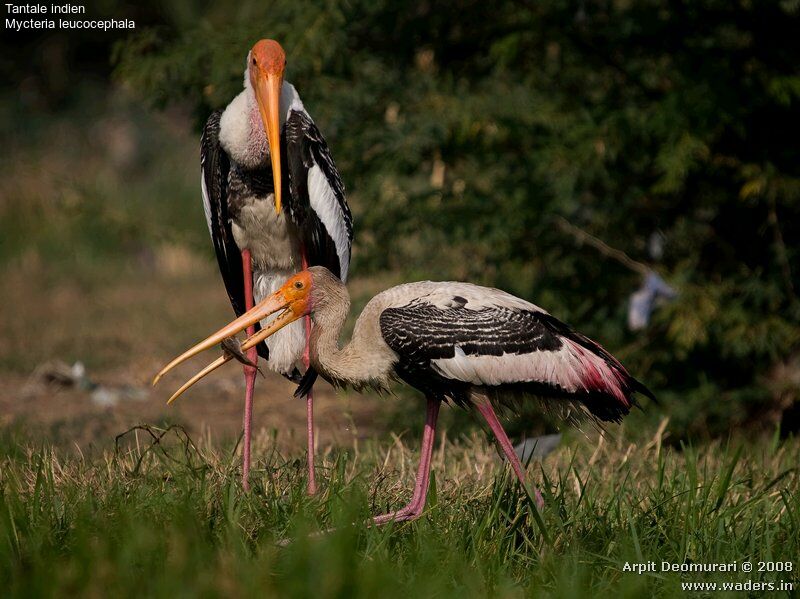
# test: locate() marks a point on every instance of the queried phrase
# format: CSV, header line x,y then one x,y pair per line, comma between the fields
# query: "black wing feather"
x,y
216,165
420,333
306,148
425,331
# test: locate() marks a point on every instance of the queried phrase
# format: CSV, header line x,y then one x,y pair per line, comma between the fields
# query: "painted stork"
x,y
476,346
264,136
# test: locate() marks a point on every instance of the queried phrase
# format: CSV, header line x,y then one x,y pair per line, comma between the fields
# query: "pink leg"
x,y
414,509
249,371
311,487
485,408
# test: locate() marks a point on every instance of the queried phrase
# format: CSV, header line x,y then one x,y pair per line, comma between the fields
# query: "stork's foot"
x,y
399,516
410,512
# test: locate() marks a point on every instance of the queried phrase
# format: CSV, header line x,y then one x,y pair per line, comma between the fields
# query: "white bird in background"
x,y
475,346
262,151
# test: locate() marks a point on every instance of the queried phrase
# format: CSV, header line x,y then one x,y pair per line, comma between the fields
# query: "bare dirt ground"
x,y
123,328
71,416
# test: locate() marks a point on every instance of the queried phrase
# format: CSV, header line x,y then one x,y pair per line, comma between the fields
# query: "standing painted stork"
x,y
476,346
262,150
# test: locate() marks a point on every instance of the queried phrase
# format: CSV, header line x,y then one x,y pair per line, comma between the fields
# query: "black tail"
x,y
306,383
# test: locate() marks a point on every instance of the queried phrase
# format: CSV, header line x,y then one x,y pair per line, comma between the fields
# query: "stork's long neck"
x,y
355,364
242,131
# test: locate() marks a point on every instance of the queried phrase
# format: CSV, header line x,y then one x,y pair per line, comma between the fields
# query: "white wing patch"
x,y
290,98
206,201
572,368
324,203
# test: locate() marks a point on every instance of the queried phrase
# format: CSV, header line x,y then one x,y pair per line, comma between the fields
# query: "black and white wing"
x,y
446,348
215,171
215,166
316,200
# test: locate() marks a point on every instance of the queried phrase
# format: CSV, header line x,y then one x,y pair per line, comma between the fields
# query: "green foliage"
x,y
169,518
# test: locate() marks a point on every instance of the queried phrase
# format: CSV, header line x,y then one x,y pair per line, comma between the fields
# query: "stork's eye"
x,y
298,284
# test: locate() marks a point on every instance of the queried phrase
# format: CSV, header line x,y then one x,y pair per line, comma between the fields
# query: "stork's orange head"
x,y
268,56
296,293
266,63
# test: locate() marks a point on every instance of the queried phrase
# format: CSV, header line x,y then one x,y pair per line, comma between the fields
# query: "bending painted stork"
x,y
262,150
476,346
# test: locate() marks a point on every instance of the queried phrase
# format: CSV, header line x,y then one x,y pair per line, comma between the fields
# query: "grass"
x,y
169,518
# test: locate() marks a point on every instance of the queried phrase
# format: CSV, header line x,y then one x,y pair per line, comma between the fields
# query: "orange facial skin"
x,y
296,292
269,56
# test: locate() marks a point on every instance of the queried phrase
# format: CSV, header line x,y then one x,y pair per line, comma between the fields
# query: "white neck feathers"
x,y
241,131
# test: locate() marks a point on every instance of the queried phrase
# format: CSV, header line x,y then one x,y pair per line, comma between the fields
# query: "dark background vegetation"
x,y
478,141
